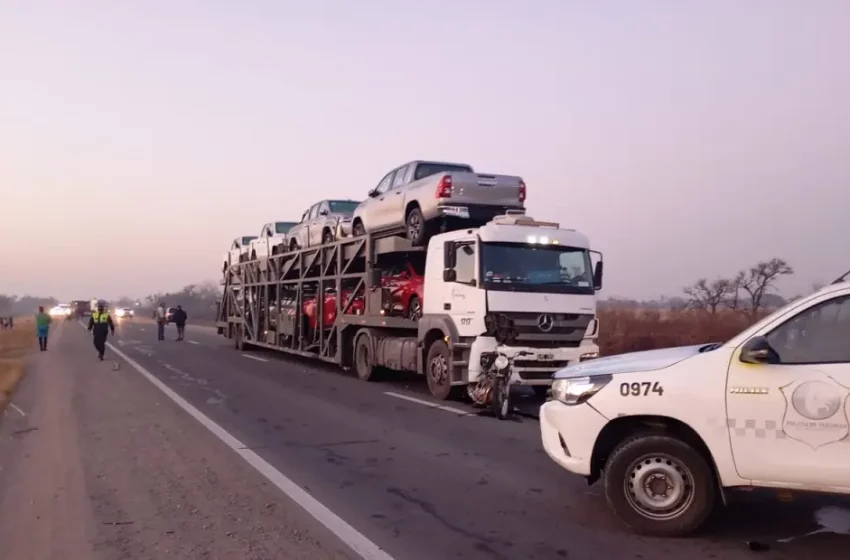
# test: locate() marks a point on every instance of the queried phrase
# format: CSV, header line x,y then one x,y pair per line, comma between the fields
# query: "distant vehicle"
x,y
80,307
420,193
169,315
274,239
323,223
238,251
124,313
61,310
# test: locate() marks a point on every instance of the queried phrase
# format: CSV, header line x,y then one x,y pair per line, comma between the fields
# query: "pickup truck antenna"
x,y
842,278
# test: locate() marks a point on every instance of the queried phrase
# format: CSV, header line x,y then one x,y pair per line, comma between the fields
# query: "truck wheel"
x,y
415,227
327,237
363,359
358,230
293,245
437,370
660,485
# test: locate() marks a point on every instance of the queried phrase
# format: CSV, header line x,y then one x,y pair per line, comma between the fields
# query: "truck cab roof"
x,y
519,228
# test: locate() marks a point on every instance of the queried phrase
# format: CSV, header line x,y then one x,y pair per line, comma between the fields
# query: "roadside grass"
x,y
15,344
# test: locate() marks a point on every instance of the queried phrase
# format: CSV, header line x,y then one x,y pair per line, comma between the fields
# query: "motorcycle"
x,y
493,387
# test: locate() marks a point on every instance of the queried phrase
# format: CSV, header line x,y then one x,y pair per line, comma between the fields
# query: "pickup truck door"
x,y
393,206
788,420
372,211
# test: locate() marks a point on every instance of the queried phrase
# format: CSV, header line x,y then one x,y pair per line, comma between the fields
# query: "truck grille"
x,y
539,330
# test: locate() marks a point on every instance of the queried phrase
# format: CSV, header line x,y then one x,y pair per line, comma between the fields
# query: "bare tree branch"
x,y
761,280
708,296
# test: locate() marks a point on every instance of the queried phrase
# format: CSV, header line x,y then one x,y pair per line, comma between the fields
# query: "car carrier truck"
x,y
514,287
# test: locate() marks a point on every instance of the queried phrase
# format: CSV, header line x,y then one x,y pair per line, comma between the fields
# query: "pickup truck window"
x,y
817,335
343,206
384,185
427,169
398,178
314,211
247,239
283,227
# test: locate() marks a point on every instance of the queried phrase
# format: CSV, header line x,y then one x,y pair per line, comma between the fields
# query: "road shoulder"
x,y
99,464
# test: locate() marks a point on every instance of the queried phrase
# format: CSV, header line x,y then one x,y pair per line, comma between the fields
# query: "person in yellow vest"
x,y
100,325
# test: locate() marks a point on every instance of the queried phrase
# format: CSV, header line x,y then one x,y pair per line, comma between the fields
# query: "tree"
x,y
761,280
708,296
733,300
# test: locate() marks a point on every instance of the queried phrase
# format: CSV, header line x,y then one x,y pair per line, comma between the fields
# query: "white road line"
x,y
21,412
453,410
193,342
358,542
254,358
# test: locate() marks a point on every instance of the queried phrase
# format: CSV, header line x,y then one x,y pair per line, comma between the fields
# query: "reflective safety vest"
x,y
100,317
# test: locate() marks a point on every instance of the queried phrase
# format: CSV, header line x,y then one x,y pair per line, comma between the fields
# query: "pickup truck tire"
x,y
293,245
437,370
358,230
415,227
327,237
660,485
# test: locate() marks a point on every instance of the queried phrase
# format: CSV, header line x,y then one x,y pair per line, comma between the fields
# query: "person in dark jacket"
x,y
101,325
179,319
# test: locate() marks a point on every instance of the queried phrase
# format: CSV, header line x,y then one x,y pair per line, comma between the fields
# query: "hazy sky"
x,y
686,138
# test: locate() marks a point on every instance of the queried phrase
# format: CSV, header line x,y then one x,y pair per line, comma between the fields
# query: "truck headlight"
x,y
577,390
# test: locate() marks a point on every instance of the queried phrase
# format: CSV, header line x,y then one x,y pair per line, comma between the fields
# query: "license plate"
x,y
547,357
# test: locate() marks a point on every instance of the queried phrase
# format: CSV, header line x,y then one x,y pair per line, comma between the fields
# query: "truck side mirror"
x,y
323,212
449,275
758,350
372,193
597,276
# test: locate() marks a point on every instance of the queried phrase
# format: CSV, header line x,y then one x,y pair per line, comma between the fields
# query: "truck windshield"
x,y
283,227
343,206
427,169
523,267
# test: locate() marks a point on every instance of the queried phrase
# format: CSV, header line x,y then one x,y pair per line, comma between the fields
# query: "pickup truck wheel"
x,y
660,485
437,372
293,245
327,237
358,230
363,358
415,226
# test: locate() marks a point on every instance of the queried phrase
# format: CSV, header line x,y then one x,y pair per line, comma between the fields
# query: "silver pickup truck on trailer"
x,y
419,194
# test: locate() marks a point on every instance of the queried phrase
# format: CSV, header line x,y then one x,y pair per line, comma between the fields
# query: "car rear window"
x,y
343,206
427,169
247,239
283,227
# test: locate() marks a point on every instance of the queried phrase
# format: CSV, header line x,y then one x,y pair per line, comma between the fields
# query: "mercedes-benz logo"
x,y
545,322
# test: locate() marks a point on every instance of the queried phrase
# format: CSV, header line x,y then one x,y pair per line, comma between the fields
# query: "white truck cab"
x,y
669,430
512,286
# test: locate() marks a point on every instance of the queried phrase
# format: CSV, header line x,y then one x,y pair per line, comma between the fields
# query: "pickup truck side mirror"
x,y
597,276
758,350
372,193
323,212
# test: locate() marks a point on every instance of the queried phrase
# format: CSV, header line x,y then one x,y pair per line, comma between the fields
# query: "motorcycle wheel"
x,y
501,401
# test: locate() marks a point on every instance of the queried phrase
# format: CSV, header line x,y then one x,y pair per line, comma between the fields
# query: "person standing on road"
x,y
179,319
42,326
100,325
160,315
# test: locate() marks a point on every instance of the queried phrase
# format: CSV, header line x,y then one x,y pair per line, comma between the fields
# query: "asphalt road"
x,y
418,481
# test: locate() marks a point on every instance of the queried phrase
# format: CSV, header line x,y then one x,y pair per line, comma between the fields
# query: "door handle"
x,y
382,198
398,193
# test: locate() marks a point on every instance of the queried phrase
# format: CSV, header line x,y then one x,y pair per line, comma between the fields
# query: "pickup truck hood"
x,y
648,360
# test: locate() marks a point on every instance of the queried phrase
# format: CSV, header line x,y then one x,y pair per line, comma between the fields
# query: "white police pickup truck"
x,y
668,431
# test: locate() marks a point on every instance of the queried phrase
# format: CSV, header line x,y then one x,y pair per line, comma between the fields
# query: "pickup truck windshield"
x,y
427,169
283,227
524,267
343,206
247,239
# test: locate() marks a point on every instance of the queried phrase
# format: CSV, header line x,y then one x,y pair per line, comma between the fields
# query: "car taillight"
x,y
522,191
444,187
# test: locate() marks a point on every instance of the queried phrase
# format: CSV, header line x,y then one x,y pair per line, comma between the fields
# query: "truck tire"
x,y
293,245
327,237
641,473
415,227
364,359
437,370
358,230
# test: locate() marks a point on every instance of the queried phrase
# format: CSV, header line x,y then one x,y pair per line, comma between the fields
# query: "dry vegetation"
x,y
15,344
631,330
